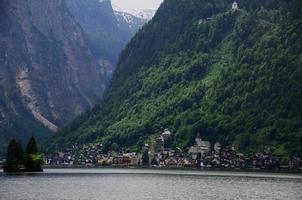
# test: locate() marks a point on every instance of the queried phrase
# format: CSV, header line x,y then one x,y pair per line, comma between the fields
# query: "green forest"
x,y
198,67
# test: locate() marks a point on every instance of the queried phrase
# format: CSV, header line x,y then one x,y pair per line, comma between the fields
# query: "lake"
x,y
145,184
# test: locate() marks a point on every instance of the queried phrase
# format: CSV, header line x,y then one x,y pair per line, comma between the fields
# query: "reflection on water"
x,y
126,184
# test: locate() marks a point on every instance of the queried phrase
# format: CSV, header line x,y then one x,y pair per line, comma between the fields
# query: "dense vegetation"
x,y
19,161
234,77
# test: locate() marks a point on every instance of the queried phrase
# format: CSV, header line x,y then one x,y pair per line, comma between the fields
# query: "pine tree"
x,y
15,157
145,158
32,146
33,160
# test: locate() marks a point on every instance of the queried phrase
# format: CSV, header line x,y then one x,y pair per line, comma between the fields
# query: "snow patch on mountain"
x,y
146,14
132,21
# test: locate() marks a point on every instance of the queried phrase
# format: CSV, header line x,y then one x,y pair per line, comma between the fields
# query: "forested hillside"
x,y
198,67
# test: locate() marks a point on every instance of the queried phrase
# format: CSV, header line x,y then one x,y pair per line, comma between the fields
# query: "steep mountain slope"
x,y
106,33
233,76
47,74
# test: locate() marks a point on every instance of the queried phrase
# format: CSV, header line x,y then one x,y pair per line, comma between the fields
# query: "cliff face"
x,y
47,74
106,32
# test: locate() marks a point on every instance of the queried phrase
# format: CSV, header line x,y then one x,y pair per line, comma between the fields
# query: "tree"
x,y
168,142
15,157
33,159
145,158
115,147
18,161
32,146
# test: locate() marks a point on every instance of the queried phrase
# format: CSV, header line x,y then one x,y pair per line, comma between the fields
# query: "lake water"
x,y
136,184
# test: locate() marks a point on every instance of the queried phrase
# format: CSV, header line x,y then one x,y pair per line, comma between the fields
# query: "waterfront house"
x,y
200,149
159,144
217,147
203,145
194,151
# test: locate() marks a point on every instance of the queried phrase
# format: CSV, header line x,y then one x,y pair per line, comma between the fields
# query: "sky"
x,y
137,4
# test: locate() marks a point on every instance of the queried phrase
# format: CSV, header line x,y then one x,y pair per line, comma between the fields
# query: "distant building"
x,y
145,147
200,148
235,147
217,147
235,6
159,144
204,146
202,21
194,151
2,162
166,133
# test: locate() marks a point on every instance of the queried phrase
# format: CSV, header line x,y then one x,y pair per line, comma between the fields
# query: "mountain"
x,y
48,75
106,31
234,76
133,22
145,14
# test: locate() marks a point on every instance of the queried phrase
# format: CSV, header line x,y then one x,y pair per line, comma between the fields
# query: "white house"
x,y
166,133
235,6
201,147
204,146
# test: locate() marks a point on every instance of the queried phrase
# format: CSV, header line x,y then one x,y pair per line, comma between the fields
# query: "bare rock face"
x,y
30,100
47,74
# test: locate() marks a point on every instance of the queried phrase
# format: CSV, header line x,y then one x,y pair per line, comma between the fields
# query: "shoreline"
x,y
155,172
180,169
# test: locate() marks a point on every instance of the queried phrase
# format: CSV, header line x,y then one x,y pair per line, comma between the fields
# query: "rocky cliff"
x,y
47,74
107,32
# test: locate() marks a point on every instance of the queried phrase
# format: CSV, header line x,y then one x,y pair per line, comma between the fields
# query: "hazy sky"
x,y
137,4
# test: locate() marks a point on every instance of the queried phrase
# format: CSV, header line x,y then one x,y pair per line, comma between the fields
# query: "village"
x,y
202,155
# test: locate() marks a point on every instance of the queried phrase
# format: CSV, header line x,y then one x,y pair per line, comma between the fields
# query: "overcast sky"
x,y
137,4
